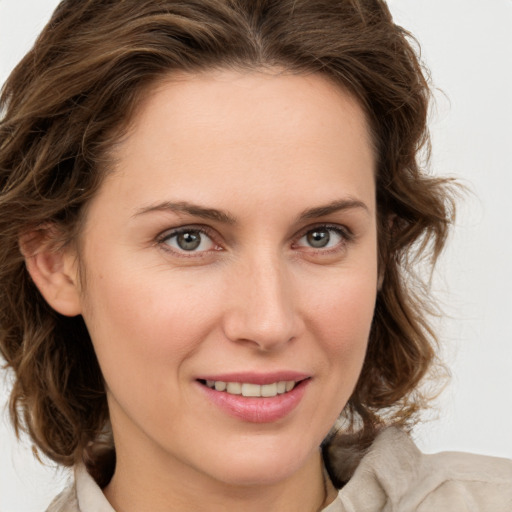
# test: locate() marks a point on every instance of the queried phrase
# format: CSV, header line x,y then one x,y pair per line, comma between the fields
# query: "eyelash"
x,y
162,240
343,232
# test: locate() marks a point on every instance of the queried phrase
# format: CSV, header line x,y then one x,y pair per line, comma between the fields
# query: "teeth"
x,y
234,388
220,386
269,389
252,390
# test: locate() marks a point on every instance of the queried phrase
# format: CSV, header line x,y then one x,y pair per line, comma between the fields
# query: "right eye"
x,y
188,240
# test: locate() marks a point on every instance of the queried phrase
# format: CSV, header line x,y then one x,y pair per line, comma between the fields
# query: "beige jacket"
x,y
394,476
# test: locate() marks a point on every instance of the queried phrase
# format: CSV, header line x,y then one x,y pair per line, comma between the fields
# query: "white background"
x,y
468,46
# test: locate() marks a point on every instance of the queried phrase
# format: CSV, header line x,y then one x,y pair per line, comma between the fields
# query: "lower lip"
x,y
257,409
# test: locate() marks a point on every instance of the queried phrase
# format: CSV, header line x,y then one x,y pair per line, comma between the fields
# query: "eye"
x,y
188,240
323,237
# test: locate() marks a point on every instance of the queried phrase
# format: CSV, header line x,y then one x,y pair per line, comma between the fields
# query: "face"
x,y
231,273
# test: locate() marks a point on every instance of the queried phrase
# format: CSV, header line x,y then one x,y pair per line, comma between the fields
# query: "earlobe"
x,y
54,271
380,281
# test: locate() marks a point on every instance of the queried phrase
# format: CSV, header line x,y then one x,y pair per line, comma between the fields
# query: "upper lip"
x,y
256,378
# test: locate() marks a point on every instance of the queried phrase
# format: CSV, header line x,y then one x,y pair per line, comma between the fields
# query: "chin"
x,y
263,474
265,466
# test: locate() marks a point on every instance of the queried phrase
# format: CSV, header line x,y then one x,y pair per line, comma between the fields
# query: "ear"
x,y
380,280
54,269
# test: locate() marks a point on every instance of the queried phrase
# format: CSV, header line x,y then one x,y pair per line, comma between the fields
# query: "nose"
x,y
261,308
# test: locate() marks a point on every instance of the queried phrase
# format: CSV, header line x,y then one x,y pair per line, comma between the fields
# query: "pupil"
x,y
318,238
189,241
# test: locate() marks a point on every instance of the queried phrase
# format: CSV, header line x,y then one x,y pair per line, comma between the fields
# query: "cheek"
x,y
139,320
345,305
342,315
148,322
340,318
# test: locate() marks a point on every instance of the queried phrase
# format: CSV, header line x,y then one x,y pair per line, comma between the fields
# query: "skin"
x,y
255,296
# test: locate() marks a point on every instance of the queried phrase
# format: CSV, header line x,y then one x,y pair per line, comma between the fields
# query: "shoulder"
x,y
395,474
464,481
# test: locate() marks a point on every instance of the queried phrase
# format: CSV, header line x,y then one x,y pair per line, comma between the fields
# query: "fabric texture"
x,y
393,476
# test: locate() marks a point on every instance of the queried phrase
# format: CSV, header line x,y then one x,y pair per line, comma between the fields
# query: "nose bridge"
x,y
262,309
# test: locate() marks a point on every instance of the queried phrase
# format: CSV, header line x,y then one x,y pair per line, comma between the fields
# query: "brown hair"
x,y
65,105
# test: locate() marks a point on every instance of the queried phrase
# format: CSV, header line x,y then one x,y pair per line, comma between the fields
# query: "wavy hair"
x,y
64,107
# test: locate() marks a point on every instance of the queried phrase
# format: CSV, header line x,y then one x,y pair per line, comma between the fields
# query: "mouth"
x,y
251,390
255,398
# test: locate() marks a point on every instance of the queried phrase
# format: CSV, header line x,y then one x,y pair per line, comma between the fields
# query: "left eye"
x,y
322,238
189,240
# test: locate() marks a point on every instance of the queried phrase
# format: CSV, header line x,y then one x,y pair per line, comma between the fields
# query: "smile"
x,y
248,389
256,398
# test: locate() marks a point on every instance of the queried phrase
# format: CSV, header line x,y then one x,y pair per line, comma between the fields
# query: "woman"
x,y
210,209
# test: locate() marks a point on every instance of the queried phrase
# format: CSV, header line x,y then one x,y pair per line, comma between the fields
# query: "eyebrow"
x,y
226,218
333,207
189,208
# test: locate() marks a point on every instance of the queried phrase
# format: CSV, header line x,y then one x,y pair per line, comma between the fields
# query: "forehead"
x,y
200,134
255,101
